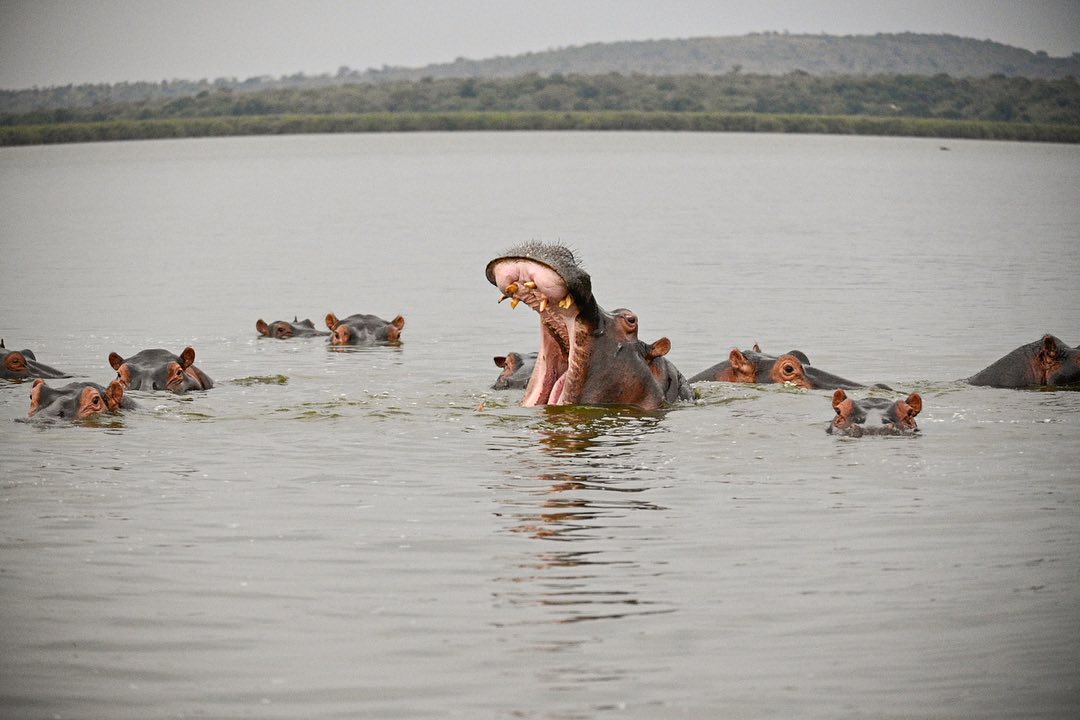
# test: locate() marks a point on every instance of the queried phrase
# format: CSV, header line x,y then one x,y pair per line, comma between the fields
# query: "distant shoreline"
x,y
232,126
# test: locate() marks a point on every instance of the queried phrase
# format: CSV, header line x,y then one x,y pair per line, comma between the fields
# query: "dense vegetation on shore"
x,y
995,106
464,121
756,54
994,98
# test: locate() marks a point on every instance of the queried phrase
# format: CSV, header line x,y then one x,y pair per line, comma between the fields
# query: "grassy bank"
x,y
113,130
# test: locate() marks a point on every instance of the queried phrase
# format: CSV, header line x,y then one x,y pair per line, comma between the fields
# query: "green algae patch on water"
x,y
262,380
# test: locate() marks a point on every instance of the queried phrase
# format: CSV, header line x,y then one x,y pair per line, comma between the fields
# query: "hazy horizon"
x,y
53,43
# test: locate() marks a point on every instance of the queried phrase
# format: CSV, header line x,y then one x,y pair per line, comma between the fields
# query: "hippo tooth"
x,y
514,302
503,298
543,304
530,284
566,302
511,289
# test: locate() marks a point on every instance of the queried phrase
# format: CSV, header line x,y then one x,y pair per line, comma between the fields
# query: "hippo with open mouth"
x,y
587,355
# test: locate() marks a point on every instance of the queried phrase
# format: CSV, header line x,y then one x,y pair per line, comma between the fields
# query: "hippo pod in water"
x,y
754,366
874,416
77,400
159,369
1045,362
587,355
23,365
283,329
363,329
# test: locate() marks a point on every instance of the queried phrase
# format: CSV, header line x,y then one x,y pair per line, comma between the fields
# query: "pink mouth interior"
x,y
549,378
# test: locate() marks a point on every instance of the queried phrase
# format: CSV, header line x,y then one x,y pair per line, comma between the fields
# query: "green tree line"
x,y
995,99
113,130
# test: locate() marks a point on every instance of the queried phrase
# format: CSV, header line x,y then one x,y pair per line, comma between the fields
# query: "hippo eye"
x,y
789,369
838,411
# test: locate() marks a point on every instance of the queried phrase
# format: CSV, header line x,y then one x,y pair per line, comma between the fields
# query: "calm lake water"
x,y
377,534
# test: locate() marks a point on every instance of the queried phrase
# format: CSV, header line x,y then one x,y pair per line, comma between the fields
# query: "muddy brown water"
x,y
375,533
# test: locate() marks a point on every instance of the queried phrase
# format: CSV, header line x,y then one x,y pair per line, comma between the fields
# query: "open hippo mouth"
x,y
548,279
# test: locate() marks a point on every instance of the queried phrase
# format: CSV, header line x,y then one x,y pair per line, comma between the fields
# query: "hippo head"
x,y
22,364
791,368
1056,363
75,401
160,370
587,356
283,329
363,329
278,329
874,416
516,369
1048,361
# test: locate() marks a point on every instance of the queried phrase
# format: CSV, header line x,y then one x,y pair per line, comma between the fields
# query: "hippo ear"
x,y
500,361
914,401
35,395
659,348
398,322
838,397
739,361
756,348
262,327
114,395
331,320
115,361
187,358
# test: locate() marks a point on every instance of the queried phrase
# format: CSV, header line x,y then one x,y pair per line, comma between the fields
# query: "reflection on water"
x,y
596,509
607,432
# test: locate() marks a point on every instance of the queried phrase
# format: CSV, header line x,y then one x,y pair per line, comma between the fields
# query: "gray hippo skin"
x,y
363,329
874,416
1045,362
754,366
159,369
23,365
283,329
516,370
587,356
77,400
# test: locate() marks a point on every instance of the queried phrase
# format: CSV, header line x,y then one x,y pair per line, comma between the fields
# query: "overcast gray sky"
x,y
53,42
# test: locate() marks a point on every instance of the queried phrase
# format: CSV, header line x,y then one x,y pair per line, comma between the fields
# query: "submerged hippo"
x,y
22,365
516,369
1045,362
160,370
283,329
874,416
587,356
77,400
363,329
754,366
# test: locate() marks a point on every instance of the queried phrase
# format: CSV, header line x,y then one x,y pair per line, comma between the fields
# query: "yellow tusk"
x,y
511,289
543,304
514,302
530,284
566,302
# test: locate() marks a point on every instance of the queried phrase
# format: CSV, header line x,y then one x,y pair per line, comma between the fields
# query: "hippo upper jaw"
x,y
565,335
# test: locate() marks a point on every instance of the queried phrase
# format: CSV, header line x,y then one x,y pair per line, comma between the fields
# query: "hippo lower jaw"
x,y
565,338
